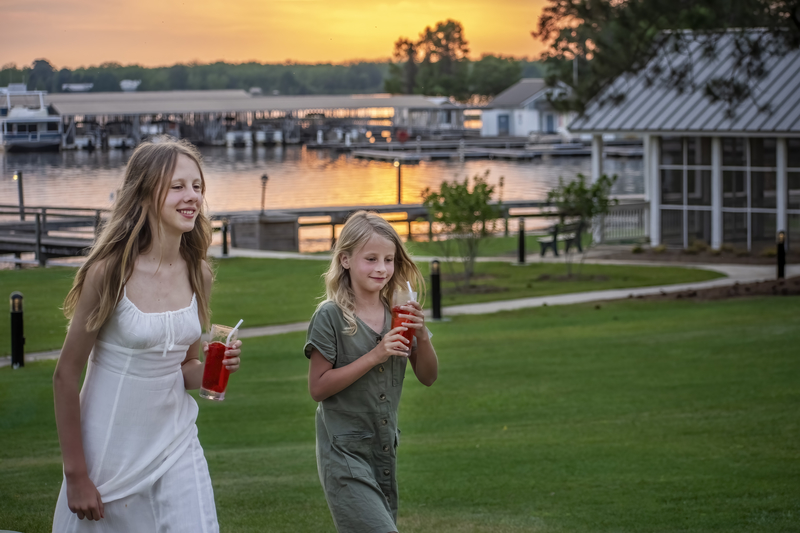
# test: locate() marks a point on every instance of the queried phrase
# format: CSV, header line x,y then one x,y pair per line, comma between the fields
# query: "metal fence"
x,y
628,222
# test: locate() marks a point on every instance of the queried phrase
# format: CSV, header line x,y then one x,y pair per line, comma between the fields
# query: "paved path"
x,y
734,273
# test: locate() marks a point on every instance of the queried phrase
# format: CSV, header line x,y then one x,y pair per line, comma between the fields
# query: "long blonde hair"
x,y
127,233
356,232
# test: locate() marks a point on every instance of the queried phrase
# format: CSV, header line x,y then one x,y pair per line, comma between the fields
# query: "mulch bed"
x,y
683,256
784,287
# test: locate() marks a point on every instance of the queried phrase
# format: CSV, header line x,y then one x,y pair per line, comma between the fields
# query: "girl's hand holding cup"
x,y
393,343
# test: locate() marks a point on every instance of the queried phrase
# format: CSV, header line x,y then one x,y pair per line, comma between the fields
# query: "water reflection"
x,y
298,177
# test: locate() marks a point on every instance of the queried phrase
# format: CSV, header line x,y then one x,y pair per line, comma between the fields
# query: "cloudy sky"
x,y
74,33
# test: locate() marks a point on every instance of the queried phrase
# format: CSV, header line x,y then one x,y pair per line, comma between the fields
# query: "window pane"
x,y
763,231
699,226
793,179
733,152
733,192
763,153
672,227
671,151
672,187
793,147
762,189
698,187
793,232
734,228
698,150
52,126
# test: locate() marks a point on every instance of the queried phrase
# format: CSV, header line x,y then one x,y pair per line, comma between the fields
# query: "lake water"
x,y
298,177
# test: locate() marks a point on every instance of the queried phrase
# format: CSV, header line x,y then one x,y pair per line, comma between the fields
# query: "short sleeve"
x,y
322,335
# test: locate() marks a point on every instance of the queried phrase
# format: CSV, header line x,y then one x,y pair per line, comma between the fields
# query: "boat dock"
x,y
47,232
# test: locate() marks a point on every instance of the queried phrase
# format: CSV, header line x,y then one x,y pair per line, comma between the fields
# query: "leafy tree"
x,y
467,216
41,75
403,79
494,74
592,42
577,200
178,77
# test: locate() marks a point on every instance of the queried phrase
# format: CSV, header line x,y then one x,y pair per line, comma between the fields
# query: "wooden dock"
x,y
33,235
52,232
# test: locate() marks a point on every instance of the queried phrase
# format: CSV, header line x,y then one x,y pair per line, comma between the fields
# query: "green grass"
x,y
282,291
636,417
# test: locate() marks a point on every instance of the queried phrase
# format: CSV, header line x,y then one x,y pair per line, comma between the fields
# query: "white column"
x,y
716,193
782,192
647,165
597,157
597,171
655,191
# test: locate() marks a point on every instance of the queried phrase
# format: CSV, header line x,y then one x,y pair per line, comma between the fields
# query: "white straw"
x,y
228,340
410,290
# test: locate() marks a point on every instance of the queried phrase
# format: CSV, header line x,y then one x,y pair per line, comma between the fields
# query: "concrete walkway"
x,y
734,274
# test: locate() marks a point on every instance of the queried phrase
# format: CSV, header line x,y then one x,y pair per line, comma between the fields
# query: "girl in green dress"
x,y
356,368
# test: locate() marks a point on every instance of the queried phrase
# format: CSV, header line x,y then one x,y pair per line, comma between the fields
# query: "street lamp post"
x,y
264,179
18,179
399,181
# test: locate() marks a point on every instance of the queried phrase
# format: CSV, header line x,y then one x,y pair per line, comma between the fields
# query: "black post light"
x,y
436,290
17,333
399,166
225,238
18,179
521,246
781,254
264,179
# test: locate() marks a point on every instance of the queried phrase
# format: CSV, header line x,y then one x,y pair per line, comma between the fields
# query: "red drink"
x,y
397,321
215,375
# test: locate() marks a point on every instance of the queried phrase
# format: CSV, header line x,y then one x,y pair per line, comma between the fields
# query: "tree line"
x,y
436,65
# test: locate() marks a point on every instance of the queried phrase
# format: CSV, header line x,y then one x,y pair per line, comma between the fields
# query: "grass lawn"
x,y
636,417
282,291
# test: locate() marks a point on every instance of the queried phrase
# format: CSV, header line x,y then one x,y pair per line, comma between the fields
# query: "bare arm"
x,y
324,381
423,357
82,495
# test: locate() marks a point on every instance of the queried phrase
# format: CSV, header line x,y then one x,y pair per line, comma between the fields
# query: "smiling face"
x,y
372,265
184,197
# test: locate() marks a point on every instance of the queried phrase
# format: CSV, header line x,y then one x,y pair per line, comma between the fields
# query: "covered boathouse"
x,y
727,177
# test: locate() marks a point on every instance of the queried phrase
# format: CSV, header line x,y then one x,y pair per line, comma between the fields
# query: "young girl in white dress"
x,y
132,460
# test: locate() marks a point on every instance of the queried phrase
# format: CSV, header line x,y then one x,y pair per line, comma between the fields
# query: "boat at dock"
x,y
26,122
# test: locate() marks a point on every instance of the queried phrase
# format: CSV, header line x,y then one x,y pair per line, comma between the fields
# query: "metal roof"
x,y
228,101
651,108
518,93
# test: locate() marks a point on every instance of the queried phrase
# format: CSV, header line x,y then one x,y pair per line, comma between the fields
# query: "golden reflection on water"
x,y
298,177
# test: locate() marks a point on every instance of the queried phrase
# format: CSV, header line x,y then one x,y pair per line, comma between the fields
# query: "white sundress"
x,y
138,428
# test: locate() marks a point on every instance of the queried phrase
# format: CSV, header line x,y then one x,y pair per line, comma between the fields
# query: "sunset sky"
x,y
74,33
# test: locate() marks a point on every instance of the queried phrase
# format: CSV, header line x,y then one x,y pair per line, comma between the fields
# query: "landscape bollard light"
x,y
521,246
224,238
781,254
17,334
436,290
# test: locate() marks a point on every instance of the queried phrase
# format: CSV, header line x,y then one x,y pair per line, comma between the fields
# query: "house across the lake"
x,y
713,174
523,110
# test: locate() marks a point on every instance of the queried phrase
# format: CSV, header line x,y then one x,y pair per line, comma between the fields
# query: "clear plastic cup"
x,y
402,296
215,375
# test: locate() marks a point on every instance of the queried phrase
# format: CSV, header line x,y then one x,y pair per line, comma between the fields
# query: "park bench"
x,y
568,233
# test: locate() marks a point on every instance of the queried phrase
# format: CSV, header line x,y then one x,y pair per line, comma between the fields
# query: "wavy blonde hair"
x,y
356,232
127,233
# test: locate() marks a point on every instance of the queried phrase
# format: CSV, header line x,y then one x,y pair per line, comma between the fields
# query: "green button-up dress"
x,y
357,434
